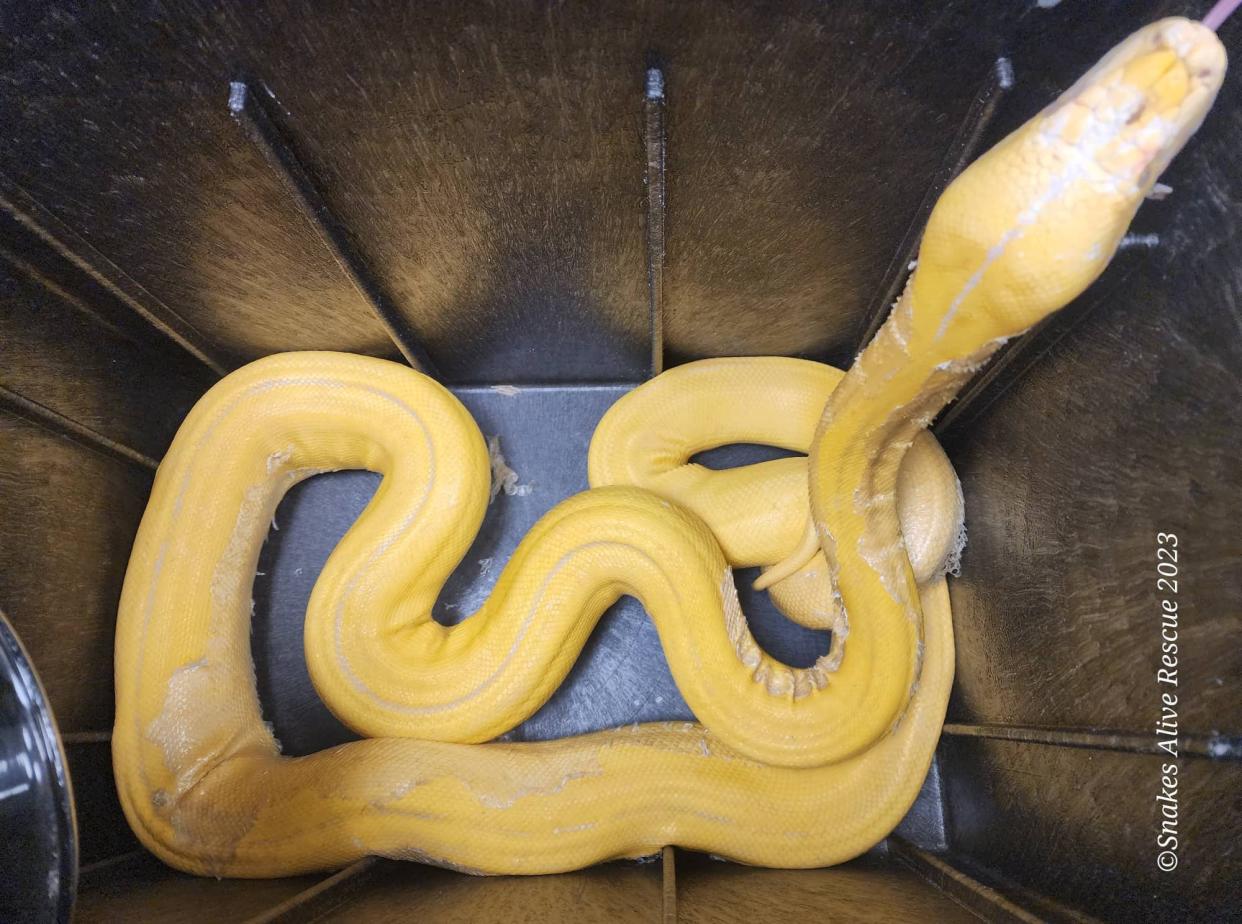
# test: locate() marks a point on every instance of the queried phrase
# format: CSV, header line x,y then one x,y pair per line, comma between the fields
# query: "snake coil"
x,y
786,767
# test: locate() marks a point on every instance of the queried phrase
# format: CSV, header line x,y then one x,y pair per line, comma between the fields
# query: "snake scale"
x,y
785,767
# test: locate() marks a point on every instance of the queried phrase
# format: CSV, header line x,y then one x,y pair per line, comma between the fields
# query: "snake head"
x,y
1036,219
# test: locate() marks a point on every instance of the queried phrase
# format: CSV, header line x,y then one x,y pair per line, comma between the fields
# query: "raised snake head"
x,y
1036,219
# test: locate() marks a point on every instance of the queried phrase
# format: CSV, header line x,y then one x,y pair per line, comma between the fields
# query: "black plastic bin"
x,y
568,198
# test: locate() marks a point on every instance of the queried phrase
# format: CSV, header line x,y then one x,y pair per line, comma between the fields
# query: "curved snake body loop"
x,y
786,767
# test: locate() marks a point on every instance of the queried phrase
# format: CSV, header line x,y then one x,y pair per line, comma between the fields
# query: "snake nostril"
x,y
1136,115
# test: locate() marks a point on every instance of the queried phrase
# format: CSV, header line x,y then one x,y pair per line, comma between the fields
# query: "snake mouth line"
x,y
1131,113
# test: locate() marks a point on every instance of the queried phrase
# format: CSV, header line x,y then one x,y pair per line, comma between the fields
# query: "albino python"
x,y
789,767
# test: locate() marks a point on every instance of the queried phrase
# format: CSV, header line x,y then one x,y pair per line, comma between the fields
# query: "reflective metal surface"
x,y
38,851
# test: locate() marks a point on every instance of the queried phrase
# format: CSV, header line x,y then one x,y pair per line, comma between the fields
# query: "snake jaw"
x,y
1036,219
1132,112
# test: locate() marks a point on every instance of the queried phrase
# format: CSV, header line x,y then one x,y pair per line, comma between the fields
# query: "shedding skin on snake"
x,y
792,768
737,504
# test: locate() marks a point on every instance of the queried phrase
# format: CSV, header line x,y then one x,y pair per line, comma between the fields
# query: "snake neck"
x,y
895,389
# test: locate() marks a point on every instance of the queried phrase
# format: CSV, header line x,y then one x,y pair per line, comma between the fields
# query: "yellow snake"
x,y
786,767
